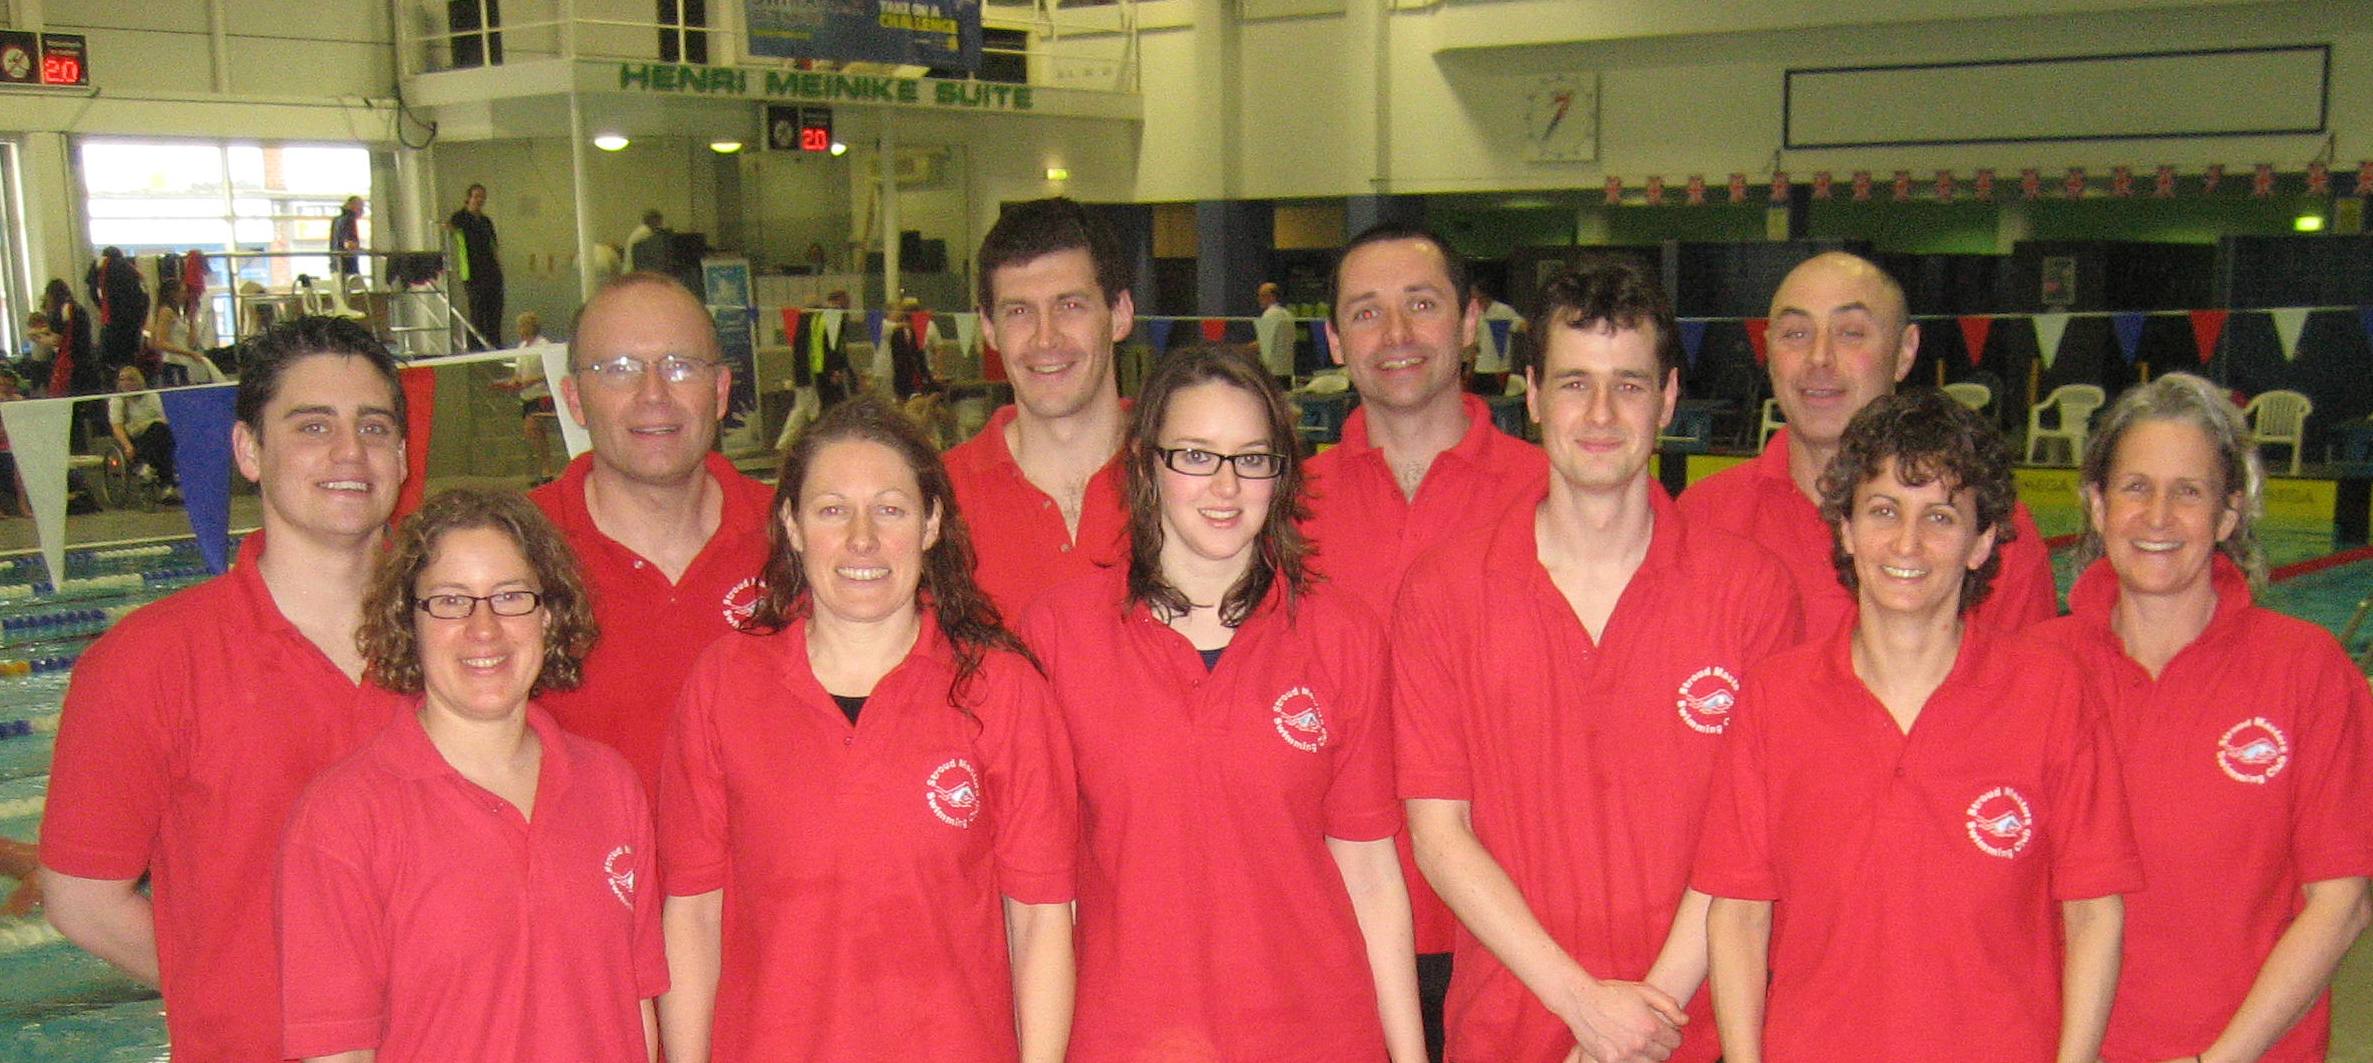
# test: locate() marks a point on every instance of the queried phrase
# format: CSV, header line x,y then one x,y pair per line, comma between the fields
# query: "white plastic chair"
x,y
1973,395
1772,420
2075,403
2279,417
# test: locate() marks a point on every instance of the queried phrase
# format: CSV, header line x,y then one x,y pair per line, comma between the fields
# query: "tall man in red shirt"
x,y
1563,673
671,536
1419,461
1841,336
1041,484
192,726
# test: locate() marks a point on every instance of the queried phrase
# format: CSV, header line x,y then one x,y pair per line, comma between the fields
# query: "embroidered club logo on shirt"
x,y
2253,751
1706,699
1298,720
742,602
955,793
2001,823
618,867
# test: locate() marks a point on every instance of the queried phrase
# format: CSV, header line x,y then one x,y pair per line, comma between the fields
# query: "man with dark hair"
x,y
1563,674
1840,337
480,268
346,234
1419,460
671,536
1042,481
192,725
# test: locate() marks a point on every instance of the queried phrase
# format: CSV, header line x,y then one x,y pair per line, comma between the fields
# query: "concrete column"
x,y
1362,212
1232,254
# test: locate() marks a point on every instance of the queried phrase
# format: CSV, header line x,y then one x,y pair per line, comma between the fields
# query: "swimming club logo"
x,y
2253,751
954,793
1298,720
618,867
1706,699
741,602
2001,823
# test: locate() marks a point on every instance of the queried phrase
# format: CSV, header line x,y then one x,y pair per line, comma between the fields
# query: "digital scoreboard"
x,y
59,60
801,129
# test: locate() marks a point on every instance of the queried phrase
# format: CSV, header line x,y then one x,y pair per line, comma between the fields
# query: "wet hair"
x,y
1281,552
388,637
1462,280
2185,399
641,278
1930,436
266,357
964,612
1608,292
1041,227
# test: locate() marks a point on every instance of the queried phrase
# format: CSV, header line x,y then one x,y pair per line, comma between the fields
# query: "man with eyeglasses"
x,y
1040,486
670,534
193,724
1563,673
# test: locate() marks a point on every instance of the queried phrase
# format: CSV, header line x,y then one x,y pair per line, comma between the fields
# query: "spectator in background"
x,y
654,257
1276,333
909,351
534,392
137,418
41,353
1495,348
12,388
123,307
346,235
170,354
480,267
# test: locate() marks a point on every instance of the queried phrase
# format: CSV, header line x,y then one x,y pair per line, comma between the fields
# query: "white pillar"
x,y
586,281
886,155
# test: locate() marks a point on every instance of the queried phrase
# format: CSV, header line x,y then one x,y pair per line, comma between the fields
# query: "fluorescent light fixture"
x,y
2308,223
839,148
1057,173
725,147
610,142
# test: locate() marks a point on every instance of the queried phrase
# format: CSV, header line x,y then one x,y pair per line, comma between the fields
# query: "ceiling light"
x,y
1057,173
2308,223
610,142
839,148
725,147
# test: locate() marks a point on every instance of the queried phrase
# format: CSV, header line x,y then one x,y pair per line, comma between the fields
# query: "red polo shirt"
x,y
1585,762
1375,531
1916,876
1759,500
2246,766
190,728
653,630
864,867
1213,922
422,916
1018,535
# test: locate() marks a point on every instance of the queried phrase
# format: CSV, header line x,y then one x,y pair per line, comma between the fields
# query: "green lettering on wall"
x,y
632,74
1021,98
906,90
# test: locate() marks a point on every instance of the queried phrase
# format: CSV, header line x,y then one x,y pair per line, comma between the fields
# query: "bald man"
x,y
1840,337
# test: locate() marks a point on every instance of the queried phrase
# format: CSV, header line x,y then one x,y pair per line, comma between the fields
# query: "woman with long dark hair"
x,y
867,803
2242,736
1239,897
75,368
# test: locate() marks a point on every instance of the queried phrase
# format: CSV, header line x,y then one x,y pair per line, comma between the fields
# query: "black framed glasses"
x,y
624,372
460,606
1195,461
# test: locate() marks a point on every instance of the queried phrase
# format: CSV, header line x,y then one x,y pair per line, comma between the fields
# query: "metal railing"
x,y
1065,45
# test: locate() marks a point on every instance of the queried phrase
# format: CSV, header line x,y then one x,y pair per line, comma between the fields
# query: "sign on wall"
x,y
942,34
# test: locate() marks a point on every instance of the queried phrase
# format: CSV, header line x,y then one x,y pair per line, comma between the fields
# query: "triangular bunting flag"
x,y
968,330
1500,327
920,323
1215,330
556,368
2208,326
2128,327
790,325
1756,328
832,319
873,325
2048,330
39,434
1693,340
2289,322
1157,329
420,402
201,420
1974,328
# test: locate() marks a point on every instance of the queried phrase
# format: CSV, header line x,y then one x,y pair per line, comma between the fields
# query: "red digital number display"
x,y
815,139
61,70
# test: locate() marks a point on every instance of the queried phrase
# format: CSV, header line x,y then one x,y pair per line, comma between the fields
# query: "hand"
x,y
1619,1022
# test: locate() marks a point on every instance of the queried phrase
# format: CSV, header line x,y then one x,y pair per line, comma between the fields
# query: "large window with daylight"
x,y
264,209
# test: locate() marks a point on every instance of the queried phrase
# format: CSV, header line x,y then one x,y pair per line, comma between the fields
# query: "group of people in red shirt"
x,y
1092,738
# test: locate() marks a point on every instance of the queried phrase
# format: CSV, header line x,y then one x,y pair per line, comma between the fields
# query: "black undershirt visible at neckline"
x,y
850,705
1211,657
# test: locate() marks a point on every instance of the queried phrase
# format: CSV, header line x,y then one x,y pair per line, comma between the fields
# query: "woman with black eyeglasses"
x,y
1238,893
474,883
